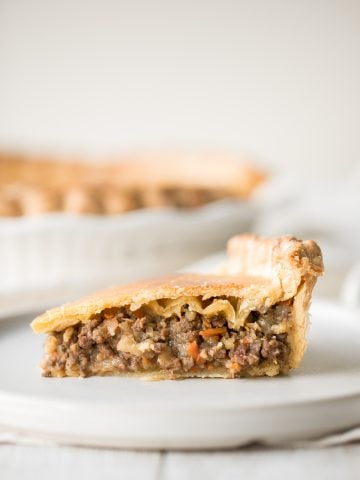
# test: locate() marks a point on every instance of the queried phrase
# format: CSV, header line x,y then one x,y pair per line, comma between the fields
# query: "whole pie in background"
x,y
38,184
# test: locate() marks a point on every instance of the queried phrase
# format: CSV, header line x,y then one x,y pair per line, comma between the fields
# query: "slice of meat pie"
x,y
250,320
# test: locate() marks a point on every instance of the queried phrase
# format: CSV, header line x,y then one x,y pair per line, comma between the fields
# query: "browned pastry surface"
x,y
37,184
249,320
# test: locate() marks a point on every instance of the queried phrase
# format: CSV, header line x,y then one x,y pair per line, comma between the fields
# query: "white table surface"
x,y
31,462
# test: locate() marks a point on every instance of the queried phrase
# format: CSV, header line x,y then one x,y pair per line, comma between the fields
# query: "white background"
x,y
279,78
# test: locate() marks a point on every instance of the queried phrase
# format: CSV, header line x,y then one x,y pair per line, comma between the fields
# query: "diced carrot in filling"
x,y
210,332
193,351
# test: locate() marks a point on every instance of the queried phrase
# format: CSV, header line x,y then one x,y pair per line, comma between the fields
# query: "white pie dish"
x,y
58,251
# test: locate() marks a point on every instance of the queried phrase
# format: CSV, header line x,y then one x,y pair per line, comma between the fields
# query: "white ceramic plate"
x,y
321,397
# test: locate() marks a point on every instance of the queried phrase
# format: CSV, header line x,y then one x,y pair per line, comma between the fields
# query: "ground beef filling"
x,y
118,340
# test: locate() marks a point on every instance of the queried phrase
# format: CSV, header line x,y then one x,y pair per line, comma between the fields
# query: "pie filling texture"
x,y
250,318
118,340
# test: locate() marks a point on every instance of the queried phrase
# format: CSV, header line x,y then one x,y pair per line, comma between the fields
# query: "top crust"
x,y
284,259
260,272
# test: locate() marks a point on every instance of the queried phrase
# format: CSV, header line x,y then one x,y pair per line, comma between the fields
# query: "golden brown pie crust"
x,y
260,273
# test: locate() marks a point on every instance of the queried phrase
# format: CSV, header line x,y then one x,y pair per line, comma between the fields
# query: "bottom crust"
x,y
267,369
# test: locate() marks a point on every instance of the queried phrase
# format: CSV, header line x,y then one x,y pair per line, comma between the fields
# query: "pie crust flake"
x,y
248,319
